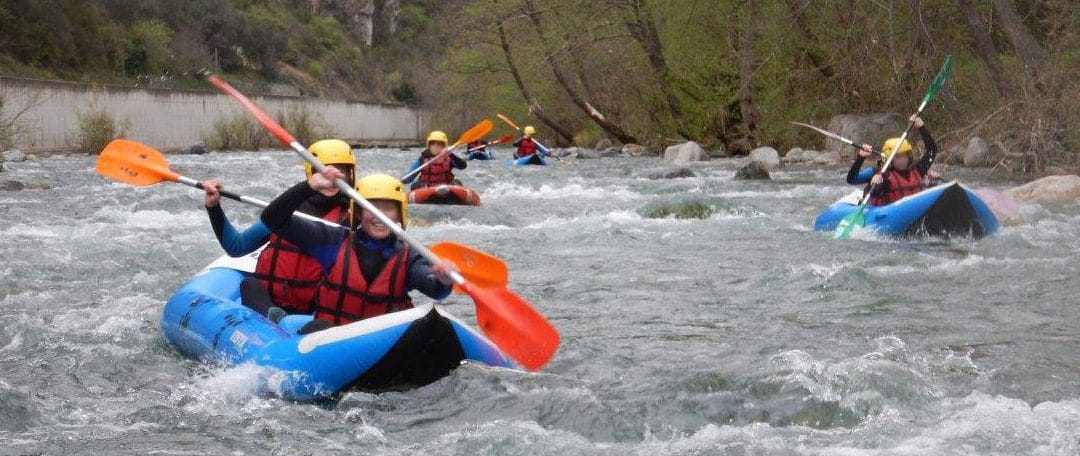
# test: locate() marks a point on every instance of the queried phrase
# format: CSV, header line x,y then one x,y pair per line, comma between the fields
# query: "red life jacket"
x,y
345,296
525,148
900,184
439,173
291,276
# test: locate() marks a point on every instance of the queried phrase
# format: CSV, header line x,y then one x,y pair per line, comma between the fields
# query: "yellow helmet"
x,y
890,147
437,136
529,130
385,187
331,152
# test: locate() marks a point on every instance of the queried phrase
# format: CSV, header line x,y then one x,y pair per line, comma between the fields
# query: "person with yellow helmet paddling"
x,y
441,170
368,270
904,177
527,146
285,278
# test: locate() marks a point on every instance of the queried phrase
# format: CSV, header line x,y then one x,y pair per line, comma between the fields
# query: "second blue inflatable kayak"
x,y
534,159
945,210
205,320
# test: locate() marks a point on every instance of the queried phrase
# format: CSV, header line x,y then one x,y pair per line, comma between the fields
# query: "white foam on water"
x,y
501,190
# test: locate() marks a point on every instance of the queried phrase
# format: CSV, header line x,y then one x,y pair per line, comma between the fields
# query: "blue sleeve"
x,y
234,243
415,164
864,175
542,149
421,278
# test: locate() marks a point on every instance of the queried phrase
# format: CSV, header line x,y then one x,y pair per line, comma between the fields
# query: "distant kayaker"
x,y
901,179
477,150
368,270
441,171
527,146
285,278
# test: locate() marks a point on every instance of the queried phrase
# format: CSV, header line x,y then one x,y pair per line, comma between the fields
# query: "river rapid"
x,y
741,332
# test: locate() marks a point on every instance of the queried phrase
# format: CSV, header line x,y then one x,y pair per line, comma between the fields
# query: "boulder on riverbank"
x,y
1051,189
753,171
671,173
686,152
976,152
873,129
637,150
807,156
767,156
603,144
13,155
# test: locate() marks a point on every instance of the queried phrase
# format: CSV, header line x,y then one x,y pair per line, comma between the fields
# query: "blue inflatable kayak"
x,y
945,210
534,159
480,155
204,320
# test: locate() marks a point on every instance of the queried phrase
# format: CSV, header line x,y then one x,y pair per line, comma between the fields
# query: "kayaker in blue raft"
x,y
901,179
477,150
368,270
527,146
285,278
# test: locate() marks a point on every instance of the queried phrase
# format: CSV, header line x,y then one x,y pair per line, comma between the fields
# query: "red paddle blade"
x,y
514,326
133,163
479,268
503,139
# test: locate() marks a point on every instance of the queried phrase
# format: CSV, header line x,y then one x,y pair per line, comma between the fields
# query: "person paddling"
x,y
441,171
527,146
368,270
477,150
285,277
901,179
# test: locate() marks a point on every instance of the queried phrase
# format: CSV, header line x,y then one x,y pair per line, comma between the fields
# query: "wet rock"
x,y
1051,189
686,152
604,144
567,152
609,152
827,158
198,149
16,185
794,155
753,170
637,150
671,173
679,210
766,156
977,152
862,128
585,154
13,155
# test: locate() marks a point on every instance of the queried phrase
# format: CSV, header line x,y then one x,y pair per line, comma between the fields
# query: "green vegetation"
x,y
728,72
242,133
97,128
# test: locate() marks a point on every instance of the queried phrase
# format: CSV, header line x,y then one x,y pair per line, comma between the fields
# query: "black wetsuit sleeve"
x,y
457,161
931,151
318,239
217,221
853,173
421,278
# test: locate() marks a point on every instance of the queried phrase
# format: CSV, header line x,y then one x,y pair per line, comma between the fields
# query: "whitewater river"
x,y
744,332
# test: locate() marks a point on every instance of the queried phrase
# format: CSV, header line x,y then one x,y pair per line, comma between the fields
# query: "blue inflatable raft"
x,y
534,159
946,210
482,154
205,320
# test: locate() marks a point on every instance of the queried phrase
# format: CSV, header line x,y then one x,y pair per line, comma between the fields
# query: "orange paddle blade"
x,y
479,268
133,163
508,121
476,132
514,326
503,139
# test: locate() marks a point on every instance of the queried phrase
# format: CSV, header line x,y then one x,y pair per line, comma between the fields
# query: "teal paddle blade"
x,y
857,219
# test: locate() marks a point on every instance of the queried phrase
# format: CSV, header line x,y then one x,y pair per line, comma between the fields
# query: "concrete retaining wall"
x,y
174,119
